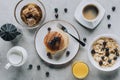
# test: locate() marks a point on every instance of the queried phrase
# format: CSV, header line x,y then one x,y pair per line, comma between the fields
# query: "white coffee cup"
x,y
16,56
96,9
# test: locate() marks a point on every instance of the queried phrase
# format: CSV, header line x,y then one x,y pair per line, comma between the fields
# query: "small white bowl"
x,y
117,63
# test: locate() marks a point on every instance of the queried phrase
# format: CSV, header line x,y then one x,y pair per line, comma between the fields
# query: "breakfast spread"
x,y
105,51
56,41
31,14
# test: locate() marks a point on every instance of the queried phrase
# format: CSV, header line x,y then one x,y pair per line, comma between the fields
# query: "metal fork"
x,y
65,30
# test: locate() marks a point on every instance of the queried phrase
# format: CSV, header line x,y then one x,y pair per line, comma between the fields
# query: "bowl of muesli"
x,y
104,52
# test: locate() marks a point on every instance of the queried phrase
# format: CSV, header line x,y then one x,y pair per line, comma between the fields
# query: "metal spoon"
x,y
65,30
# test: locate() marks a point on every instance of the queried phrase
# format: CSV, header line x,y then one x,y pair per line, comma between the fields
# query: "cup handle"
x,y
7,66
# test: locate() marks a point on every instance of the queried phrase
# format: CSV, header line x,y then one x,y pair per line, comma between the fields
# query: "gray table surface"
x,y
27,41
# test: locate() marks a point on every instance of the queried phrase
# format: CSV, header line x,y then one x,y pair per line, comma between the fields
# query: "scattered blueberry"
x,y
49,29
115,58
65,10
84,39
109,26
100,63
56,10
113,8
38,67
47,74
93,51
67,53
30,66
56,16
108,17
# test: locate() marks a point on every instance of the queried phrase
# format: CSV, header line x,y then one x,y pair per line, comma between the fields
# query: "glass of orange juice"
x,y
80,69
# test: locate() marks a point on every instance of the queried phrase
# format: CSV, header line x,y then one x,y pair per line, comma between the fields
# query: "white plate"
x,y
78,14
116,65
73,46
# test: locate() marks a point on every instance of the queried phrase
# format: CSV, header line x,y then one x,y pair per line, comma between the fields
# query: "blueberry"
x,y
104,44
47,74
30,66
109,26
109,61
84,39
93,51
107,49
65,10
107,54
102,57
49,55
115,58
57,38
38,67
108,17
49,29
100,63
116,50
113,8
56,16
117,54
56,10
67,53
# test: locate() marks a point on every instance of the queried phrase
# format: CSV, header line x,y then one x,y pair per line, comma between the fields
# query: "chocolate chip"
x,y
38,67
49,29
100,63
47,74
93,51
113,8
67,53
49,55
109,61
102,57
108,17
84,39
56,10
30,66
115,58
65,10
109,26
56,16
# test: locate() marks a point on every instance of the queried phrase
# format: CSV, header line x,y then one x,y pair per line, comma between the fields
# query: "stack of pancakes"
x,y
56,41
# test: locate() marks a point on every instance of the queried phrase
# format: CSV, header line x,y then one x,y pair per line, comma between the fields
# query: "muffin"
x,y
31,14
56,41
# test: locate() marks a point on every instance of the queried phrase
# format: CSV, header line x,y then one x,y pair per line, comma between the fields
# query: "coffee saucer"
x,y
78,14
73,46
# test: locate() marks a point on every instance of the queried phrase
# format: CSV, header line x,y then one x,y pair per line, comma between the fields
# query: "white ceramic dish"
x,y
18,9
79,14
117,63
73,46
